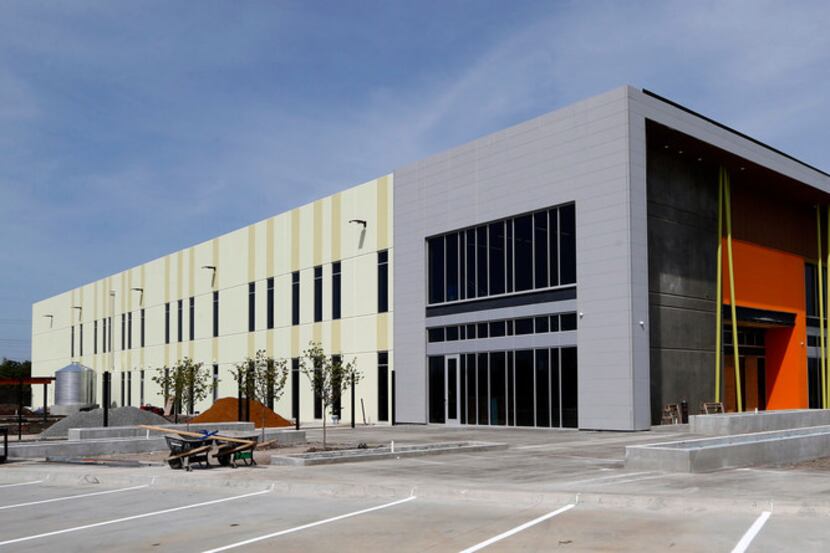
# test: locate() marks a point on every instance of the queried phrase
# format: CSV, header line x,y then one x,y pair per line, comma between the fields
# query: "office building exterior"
x,y
561,273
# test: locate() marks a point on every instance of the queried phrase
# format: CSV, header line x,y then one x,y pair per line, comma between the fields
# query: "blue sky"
x,y
132,129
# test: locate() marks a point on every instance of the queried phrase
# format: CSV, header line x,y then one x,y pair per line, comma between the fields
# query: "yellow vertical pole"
x,y
728,206
822,345
719,293
826,374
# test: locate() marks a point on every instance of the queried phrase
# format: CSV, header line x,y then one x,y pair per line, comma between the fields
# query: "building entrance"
x,y
752,356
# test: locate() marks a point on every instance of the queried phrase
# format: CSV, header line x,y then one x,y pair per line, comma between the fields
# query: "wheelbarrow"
x,y
184,452
235,453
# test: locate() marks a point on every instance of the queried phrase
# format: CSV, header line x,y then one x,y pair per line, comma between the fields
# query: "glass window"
x,y
481,261
318,294
269,303
540,245
524,388
509,254
471,263
497,329
295,389
471,332
483,380
462,386
553,246
335,290
523,326
129,331
95,337
72,342
542,388
554,323
295,298
251,306
192,317
451,248
435,248
383,386
567,244
511,407
179,320
497,268
498,392
452,333
555,399
482,330
216,313
141,330
569,388
383,281
523,252
510,326
167,323
318,398
435,334
541,325
567,321
472,409
124,330
436,389
214,386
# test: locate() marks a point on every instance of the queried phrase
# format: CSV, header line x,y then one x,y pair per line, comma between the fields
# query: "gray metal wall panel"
x,y
579,153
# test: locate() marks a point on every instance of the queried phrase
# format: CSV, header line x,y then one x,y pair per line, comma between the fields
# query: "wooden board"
x,y
216,437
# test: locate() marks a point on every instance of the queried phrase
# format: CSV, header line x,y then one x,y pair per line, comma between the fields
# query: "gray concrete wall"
x,y
682,259
747,450
110,446
102,432
765,421
577,154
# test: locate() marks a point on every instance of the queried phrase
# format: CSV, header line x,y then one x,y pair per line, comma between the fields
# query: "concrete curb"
x,y
233,480
382,453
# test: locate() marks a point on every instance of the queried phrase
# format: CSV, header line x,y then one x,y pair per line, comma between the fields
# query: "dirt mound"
x,y
119,416
226,409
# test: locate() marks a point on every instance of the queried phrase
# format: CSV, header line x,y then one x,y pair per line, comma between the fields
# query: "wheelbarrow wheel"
x,y
175,464
224,460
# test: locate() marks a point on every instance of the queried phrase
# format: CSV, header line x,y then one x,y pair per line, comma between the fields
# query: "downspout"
x,y
728,206
719,293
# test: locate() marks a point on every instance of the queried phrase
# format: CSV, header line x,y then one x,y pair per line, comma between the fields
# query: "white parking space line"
x,y
21,484
133,517
518,529
107,492
309,525
752,532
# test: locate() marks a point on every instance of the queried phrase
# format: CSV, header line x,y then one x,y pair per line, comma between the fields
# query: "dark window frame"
x,y
318,293
295,298
383,281
336,291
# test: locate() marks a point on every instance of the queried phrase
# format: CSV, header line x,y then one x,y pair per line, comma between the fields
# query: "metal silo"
x,y
74,388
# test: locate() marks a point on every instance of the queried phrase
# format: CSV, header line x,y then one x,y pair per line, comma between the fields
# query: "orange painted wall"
x,y
771,279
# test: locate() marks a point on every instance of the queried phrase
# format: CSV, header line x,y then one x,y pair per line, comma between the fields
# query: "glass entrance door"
x,y
452,391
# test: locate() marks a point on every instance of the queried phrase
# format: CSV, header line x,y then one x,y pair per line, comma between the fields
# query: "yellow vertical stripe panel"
x,y
382,331
295,239
383,213
732,297
269,247
336,338
336,225
215,274
251,253
317,225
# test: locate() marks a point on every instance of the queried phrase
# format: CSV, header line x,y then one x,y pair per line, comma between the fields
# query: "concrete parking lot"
x,y
66,518
561,491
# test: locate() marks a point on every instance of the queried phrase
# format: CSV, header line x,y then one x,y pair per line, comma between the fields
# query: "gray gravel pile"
x,y
119,416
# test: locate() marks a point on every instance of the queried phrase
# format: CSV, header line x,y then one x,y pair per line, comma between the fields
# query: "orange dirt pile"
x,y
226,410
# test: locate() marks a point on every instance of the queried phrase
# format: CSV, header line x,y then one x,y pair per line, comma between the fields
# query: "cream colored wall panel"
x,y
233,267
233,310
306,236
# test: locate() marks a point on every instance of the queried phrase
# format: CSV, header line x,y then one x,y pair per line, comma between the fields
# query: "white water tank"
x,y
74,387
